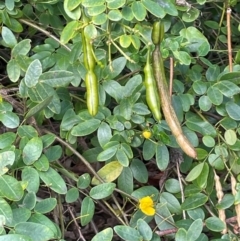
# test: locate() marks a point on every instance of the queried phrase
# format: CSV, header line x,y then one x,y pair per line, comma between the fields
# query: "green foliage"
x,y
59,165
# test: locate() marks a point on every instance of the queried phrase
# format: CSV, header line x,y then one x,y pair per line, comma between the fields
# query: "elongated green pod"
x,y
157,32
152,98
92,93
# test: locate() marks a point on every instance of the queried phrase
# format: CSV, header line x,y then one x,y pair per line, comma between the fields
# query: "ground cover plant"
x,y
119,120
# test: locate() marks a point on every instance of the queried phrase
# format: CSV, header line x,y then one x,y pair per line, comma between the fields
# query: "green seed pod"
x,y
152,96
157,32
92,92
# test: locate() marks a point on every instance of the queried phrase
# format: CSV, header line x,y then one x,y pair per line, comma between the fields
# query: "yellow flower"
x,y
146,134
146,205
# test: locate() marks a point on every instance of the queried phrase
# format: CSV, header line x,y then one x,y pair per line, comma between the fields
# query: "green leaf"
x,y
212,73
115,15
10,4
215,95
169,7
196,213
43,220
227,88
22,48
92,3
42,164
109,172
33,73
195,230
144,229
127,233
6,211
84,181
35,231
102,190
154,8
97,10
125,41
125,180
15,237
53,153
29,200
6,139
139,170
181,235
149,149
100,19
74,14
41,92
183,57
226,202
146,191
39,107
57,78
19,215
195,172
8,37
104,134
216,161
139,11
69,120
162,157
9,119
205,103
104,235
190,15
215,224
107,154
230,137
115,68
69,31
10,188
115,4
163,219
87,211
85,128
72,4
7,159
197,42
195,123
31,177
72,195
54,181
13,70
114,89
171,201
46,205
199,87
125,109
201,153
14,25
208,141
27,131
194,201
233,110
140,109
233,77
172,185
203,177
127,13
122,157
32,151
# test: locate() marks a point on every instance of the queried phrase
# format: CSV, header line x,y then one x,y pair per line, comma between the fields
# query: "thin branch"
x,y
25,21
229,10
171,77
